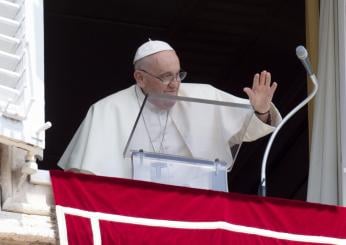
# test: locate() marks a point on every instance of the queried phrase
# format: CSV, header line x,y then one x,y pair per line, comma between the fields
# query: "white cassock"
x,y
185,130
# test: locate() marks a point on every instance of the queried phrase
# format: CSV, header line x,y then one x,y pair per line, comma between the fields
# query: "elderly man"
x,y
98,144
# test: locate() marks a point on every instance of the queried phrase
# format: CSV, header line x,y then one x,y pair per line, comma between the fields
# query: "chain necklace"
x,y
162,132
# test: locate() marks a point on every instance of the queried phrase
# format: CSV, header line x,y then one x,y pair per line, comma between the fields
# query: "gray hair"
x,y
142,63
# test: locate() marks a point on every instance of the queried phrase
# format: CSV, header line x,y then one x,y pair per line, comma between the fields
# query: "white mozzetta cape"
x,y
99,142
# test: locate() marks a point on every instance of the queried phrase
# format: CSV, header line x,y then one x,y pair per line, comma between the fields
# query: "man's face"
x,y
159,73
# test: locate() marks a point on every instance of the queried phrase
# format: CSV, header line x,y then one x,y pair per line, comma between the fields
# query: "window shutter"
x,y
22,74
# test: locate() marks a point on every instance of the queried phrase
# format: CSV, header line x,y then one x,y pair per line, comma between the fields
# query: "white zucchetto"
x,y
151,47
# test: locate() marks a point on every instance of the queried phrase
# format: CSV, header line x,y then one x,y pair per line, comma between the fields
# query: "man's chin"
x,y
163,103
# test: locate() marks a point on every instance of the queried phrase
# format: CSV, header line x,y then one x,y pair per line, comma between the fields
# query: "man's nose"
x,y
174,83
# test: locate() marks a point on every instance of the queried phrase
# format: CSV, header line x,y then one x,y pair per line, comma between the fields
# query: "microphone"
x,y
302,54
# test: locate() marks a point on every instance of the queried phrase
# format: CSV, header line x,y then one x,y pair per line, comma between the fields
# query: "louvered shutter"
x,y
22,73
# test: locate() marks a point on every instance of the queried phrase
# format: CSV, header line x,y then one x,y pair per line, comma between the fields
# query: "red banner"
x,y
102,210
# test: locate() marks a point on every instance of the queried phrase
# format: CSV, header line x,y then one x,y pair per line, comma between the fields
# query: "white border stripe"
x,y
95,227
60,215
200,225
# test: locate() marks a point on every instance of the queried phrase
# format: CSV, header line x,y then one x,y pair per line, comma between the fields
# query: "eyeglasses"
x,y
168,78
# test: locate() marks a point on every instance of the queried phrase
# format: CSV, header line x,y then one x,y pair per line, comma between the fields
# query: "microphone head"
x,y
301,52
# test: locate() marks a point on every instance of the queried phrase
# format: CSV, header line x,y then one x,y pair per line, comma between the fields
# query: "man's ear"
x,y
138,76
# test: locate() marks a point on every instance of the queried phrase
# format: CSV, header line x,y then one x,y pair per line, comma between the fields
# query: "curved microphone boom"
x,y
302,54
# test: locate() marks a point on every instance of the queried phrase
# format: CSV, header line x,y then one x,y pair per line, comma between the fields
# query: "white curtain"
x,y
327,176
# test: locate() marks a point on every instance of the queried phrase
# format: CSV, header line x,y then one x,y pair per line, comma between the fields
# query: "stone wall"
x,y
27,208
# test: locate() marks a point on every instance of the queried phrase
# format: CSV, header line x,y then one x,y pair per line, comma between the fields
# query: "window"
x,y
21,73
